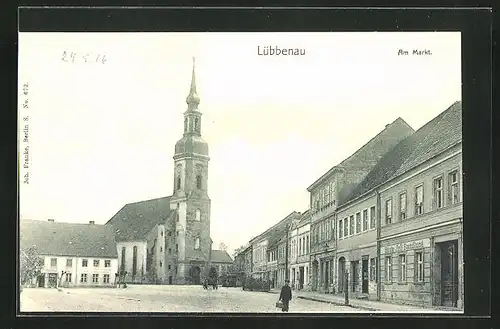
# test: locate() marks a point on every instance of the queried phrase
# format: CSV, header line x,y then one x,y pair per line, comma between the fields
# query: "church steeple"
x,y
192,99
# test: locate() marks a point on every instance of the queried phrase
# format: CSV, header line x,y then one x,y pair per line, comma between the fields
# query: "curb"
x,y
333,302
339,303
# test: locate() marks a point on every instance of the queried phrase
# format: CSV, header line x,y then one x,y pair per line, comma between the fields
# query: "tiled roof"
x,y
437,135
221,256
367,156
68,239
135,220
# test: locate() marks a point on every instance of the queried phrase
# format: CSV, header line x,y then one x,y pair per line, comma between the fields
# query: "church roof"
x,y
135,220
221,256
439,134
68,239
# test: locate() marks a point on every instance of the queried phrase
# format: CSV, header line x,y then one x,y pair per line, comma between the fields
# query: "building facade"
x,y
74,255
299,250
169,237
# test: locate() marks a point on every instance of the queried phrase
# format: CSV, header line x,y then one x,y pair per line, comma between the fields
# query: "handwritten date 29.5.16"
x,y
85,58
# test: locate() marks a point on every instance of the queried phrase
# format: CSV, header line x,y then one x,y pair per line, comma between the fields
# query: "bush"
x,y
256,285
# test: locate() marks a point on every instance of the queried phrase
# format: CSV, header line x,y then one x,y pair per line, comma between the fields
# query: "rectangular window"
x,y
346,227
438,193
307,243
83,278
454,189
351,225
402,206
69,262
419,200
372,217
105,278
68,277
388,211
95,278
402,268
53,262
85,262
373,269
96,263
340,229
365,219
169,250
419,267
358,222
107,263
176,248
388,269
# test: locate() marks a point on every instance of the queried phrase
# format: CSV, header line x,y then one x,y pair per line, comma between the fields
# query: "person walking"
x,y
286,295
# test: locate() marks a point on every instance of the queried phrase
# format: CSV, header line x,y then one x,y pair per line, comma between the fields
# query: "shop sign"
x,y
401,247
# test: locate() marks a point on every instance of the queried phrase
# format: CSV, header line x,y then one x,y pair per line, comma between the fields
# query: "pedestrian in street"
x,y
286,295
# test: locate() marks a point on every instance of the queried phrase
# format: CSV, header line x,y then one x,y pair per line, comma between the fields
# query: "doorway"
x,y
314,277
355,279
52,280
341,275
170,279
449,273
196,275
41,281
327,272
364,271
301,277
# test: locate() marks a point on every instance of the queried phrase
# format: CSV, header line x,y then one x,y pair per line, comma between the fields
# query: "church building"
x,y
167,240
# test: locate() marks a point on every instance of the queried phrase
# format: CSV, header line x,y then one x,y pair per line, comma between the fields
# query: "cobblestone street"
x,y
142,298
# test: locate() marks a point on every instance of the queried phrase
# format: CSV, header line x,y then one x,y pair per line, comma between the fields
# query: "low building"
x,y
222,261
82,255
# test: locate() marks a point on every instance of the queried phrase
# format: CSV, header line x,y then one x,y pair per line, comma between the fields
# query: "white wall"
x,y
76,269
129,249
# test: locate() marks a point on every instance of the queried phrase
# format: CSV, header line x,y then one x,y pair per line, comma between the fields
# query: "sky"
x,y
102,133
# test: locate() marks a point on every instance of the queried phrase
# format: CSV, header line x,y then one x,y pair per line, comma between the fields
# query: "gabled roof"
x,y
371,152
68,239
433,138
135,220
282,223
221,256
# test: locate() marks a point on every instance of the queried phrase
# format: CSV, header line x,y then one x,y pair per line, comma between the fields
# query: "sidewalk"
x,y
366,305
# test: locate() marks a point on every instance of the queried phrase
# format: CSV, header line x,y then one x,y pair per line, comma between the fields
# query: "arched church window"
x,y
185,124
198,182
178,183
196,125
197,243
198,214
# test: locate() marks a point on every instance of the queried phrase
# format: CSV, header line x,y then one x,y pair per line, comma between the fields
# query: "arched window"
x,y
178,183
185,124
198,215
197,125
198,182
197,243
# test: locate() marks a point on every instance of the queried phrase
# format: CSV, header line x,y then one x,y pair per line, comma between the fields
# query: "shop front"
x,y
424,268
323,272
359,266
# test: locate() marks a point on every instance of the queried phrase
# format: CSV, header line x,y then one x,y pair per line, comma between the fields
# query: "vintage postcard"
x,y
241,172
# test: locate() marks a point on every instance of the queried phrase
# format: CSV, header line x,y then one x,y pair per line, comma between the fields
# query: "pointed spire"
x,y
192,99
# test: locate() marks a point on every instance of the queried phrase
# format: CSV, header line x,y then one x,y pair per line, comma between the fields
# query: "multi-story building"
x,y
282,259
73,254
300,259
331,189
167,239
260,246
416,190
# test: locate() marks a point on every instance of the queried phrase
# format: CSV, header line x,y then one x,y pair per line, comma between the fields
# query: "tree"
x,y
31,264
222,246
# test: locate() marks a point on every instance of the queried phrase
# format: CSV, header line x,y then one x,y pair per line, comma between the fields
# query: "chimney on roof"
x,y
91,222
50,220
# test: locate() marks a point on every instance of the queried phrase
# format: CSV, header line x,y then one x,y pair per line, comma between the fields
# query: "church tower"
x,y
190,196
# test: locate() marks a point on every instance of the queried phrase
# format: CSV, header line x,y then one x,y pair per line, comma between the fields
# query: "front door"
x,y
52,280
196,275
449,275
365,276
355,266
341,276
170,280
